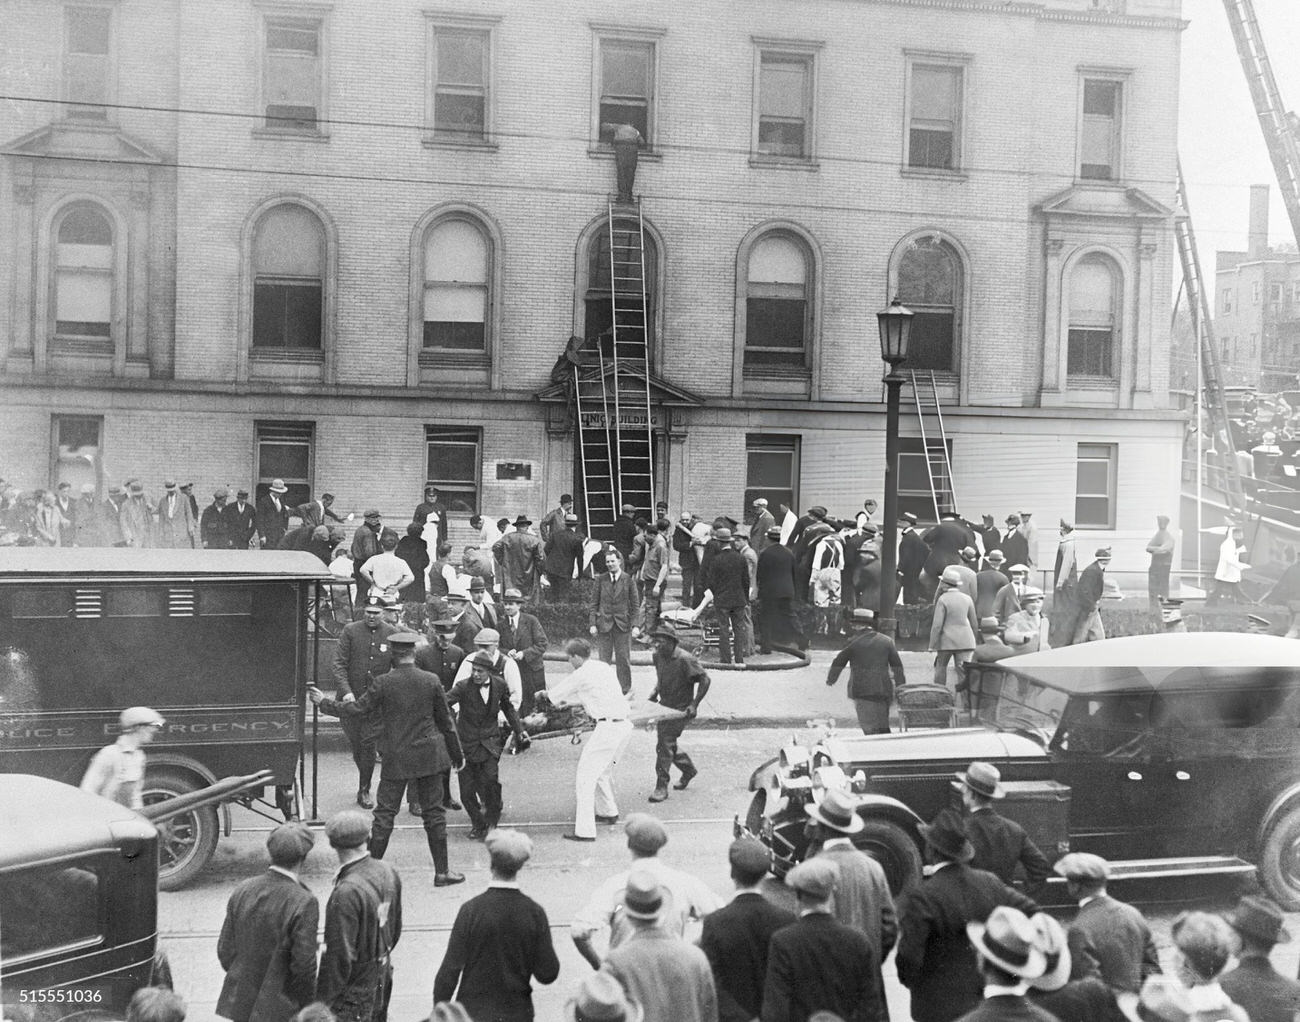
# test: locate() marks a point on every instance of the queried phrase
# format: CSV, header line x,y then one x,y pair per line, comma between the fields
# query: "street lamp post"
x,y
895,325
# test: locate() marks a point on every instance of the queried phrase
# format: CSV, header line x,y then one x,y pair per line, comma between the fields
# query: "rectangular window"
x,y
225,601
87,62
915,492
785,97
934,121
284,451
76,446
775,329
1094,486
626,87
42,603
1227,299
1089,352
287,313
135,602
453,457
1100,131
52,907
772,471
460,83
291,75
1275,292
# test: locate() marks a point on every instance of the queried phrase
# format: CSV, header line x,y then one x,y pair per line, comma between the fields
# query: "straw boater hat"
x,y
983,779
1056,952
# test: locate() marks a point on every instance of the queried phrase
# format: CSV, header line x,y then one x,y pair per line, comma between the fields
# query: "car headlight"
x,y
826,777
794,760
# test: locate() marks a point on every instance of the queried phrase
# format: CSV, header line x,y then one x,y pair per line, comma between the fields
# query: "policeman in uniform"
x,y
363,922
441,657
419,743
363,653
680,684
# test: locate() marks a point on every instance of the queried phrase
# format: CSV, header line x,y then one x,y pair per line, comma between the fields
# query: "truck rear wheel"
x,y
892,847
1279,863
187,842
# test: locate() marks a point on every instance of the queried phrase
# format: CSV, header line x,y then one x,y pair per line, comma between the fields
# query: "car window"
x,y
1011,702
43,908
1116,726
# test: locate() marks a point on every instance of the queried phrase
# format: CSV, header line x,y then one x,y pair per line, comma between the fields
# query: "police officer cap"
x,y
749,855
220,493
348,829
487,636
645,834
389,602
864,614
815,877
510,845
404,639
446,625
1083,866
289,843
374,603
139,716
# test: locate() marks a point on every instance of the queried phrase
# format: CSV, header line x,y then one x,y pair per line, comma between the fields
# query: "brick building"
x,y
1257,315
345,243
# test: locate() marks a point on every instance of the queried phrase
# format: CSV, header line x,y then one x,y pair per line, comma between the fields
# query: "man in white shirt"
x,y
594,686
386,572
488,640
117,771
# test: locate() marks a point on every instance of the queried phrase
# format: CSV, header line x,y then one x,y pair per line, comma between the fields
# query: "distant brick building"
x,y
345,243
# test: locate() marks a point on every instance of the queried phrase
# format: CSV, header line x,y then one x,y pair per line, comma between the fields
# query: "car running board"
x,y
1151,869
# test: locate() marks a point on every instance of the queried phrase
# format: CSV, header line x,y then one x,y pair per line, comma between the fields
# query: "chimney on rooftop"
x,y
1257,235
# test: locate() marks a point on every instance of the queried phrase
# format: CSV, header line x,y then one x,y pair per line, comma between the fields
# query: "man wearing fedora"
x,y
817,964
562,556
875,668
953,628
862,898
1108,939
1009,960
1254,985
726,580
524,641
1069,1000
176,521
520,555
272,514
1000,844
935,960
600,996
777,625
669,978
241,521
680,684
735,938
136,517
554,519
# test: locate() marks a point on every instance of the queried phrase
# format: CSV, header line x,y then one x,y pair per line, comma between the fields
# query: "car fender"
x,y
882,807
204,776
1286,797
758,780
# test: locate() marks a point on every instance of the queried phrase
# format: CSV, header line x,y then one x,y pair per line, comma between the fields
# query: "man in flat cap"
x,y
363,923
1108,938
214,527
763,521
817,963
500,942
268,942
479,701
241,521
680,684
736,937
686,896
117,771
488,641
419,744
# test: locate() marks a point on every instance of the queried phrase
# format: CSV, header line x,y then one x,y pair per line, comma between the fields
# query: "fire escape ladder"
x,y
934,442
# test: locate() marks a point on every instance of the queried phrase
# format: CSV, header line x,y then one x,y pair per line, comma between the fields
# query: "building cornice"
x,y
1043,13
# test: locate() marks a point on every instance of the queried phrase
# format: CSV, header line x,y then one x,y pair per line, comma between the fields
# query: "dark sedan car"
x,y
1167,754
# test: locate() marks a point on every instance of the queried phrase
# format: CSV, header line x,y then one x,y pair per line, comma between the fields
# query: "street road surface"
x,y
539,801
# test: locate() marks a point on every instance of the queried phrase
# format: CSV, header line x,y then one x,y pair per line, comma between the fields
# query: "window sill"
x,y
296,356
805,163
289,135
1110,184
71,345
1091,382
455,357
933,173
469,145
790,373
600,151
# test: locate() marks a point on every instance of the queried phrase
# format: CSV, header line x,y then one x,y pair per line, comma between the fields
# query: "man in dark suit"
x,y
1009,959
725,578
500,942
776,621
314,512
362,654
935,960
479,700
874,669
562,557
1108,938
272,515
419,744
613,616
735,938
523,640
214,524
912,552
1254,985
625,532
465,613
241,521
817,963
1000,844
1087,597
1014,546
268,942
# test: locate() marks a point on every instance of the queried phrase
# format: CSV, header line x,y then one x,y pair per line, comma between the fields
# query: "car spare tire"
x,y
892,847
186,842
1279,861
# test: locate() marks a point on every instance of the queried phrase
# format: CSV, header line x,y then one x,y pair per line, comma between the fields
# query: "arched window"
x,y
620,284
777,302
457,259
288,279
1093,330
930,284
83,274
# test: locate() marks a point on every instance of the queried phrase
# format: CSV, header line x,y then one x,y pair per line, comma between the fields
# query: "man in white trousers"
x,y
594,686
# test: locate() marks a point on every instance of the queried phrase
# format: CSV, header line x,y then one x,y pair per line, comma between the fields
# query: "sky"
x,y
1219,138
